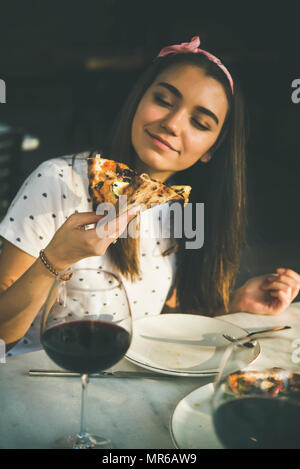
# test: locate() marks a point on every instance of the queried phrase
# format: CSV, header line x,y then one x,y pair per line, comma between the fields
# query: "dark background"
x,y
69,65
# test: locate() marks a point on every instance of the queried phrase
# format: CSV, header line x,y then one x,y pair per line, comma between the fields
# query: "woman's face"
x,y
178,120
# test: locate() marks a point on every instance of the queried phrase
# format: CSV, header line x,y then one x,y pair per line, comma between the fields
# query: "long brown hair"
x,y
205,277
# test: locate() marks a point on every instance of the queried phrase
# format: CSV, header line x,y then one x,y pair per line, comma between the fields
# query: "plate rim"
x,y
195,374
184,373
174,441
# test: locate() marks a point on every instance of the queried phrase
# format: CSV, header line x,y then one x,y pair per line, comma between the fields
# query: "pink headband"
x,y
192,46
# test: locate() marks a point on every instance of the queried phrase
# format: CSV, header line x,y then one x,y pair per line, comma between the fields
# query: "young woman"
x,y
183,123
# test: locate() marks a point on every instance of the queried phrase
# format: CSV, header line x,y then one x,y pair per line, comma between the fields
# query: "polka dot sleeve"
x,y
37,211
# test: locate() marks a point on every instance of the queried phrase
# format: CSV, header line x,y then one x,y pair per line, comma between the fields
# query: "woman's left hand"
x,y
267,294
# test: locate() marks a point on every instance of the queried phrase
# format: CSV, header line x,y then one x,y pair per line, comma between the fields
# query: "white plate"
x,y
191,425
183,344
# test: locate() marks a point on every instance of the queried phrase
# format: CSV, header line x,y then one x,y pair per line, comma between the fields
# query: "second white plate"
x,y
183,344
191,425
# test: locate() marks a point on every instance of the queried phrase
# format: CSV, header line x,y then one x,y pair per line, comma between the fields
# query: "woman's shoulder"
x,y
70,170
64,162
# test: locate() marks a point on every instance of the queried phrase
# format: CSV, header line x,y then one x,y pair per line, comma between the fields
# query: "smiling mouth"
x,y
160,141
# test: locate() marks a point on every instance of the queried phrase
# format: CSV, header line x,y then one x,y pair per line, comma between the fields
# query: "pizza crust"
x,y
108,180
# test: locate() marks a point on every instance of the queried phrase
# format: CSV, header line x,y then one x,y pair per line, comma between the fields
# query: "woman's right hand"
x,y
72,242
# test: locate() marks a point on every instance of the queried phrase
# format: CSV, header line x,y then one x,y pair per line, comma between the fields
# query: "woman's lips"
x,y
161,143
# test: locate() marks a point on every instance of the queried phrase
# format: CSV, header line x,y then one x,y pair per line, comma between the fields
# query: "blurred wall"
x,y
59,92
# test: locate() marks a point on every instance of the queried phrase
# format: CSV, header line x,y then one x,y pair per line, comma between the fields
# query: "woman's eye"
x,y
199,125
162,101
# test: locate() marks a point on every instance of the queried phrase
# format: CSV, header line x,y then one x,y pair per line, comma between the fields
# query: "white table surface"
x,y
133,413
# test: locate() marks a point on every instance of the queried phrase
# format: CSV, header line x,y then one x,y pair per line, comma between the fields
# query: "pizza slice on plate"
x,y
108,180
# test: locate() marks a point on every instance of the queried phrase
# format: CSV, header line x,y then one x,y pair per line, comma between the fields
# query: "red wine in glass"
x,y
256,399
86,346
86,328
258,423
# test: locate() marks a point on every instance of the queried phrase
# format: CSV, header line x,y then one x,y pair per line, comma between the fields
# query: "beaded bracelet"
x,y
47,264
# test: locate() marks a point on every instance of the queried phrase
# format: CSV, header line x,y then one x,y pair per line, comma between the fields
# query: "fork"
x,y
251,334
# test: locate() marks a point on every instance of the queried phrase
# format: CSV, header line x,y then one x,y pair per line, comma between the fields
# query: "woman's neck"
x,y
161,176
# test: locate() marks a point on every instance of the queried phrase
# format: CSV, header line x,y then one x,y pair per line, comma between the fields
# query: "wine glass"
x,y
86,327
256,405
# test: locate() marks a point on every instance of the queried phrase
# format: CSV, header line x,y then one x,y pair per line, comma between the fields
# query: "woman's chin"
x,y
153,161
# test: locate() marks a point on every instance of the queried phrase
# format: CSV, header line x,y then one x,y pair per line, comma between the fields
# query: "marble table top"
x,y
133,413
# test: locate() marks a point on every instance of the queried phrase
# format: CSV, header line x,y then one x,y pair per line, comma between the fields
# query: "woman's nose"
x,y
173,122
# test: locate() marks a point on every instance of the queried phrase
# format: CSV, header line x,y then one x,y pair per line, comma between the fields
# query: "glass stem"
x,y
84,402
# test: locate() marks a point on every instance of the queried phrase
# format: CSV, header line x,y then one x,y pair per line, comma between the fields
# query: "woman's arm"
x,y
24,285
267,294
25,281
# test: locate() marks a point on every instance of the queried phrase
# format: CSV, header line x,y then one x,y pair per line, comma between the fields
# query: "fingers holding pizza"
x,y
111,226
80,237
90,234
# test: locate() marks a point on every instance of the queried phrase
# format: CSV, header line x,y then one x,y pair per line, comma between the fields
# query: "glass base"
x,y
85,441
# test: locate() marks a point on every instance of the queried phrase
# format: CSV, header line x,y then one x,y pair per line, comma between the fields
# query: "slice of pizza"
x,y
184,191
108,180
145,191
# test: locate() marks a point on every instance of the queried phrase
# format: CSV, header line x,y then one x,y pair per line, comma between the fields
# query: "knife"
x,y
102,374
106,374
